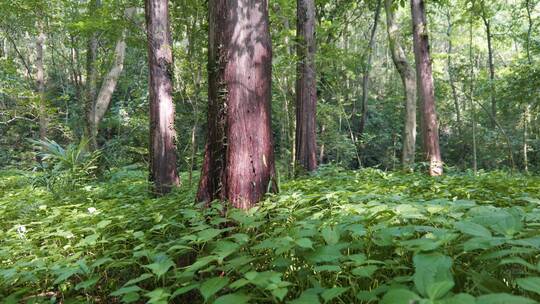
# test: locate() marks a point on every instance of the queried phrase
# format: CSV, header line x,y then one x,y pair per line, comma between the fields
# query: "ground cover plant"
x,y
335,237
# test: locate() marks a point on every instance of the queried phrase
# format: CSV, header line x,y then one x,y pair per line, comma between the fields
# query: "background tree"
x,y
430,127
306,87
163,171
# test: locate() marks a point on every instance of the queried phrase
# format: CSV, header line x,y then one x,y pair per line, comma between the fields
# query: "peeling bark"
x,y
426,90
239,157
163,172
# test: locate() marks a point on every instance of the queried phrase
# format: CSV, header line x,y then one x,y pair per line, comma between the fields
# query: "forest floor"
x,y
336,237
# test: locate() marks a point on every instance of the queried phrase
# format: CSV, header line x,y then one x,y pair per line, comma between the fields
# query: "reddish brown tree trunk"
x,y
162,133
306,90
239,157
426,91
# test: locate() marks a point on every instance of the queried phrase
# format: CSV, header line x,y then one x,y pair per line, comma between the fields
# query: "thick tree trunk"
x,y
163,172
426,90
40,80
306,87
367,70
408,78
239,157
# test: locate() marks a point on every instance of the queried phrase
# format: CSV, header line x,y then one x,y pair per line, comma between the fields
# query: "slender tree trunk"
x,y
491,66
40,79
91,81
367,70
239,157
408,78
108,86
426,91
163,172
451,74
306,87
527,113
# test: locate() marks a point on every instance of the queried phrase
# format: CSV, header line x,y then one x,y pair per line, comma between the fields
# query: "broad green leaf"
x,y
432,276
472,229
333,293
529,284
503,298
304,243
399,296
233,298
212,286
161,267
158,296
330,235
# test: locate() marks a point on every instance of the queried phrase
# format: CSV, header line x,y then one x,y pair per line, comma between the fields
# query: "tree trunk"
x,y
408,78
367,69
40,80
426,91
451,74
491,65
239,157
163,172
91,81
306,87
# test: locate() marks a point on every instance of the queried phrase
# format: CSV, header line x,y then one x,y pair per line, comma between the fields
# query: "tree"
x,y
91,80
40,79
406,72
426,90
163,172
306,86
239,158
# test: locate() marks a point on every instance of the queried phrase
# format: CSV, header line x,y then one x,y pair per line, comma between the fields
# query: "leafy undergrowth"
x,y
338,237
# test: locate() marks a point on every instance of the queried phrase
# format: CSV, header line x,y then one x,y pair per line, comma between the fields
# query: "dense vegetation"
x,y
257,151
353,236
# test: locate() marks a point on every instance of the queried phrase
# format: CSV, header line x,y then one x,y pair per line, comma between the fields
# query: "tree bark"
x,y
408,78
103,99
367,70
40,80
451,74
306,87
163,172
239,157
91,81
426,90
491,65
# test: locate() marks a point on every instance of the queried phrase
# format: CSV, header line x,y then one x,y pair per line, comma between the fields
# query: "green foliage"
x,y
65,169
336,237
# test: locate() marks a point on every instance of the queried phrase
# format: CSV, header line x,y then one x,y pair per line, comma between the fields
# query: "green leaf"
x,y
158,296
138,279
432,276
183,290
333,293
473,229
161,267
306,298
87,283
330,235
212,286
462,298
365,271
399,296
503,298
125,290
66,273
529,284
233,298
304,243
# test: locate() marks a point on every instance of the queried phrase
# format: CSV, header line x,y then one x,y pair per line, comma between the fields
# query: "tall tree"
x,y
91,79
163,172
408,78
306,90
239,157
424,76
367,69
40,79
